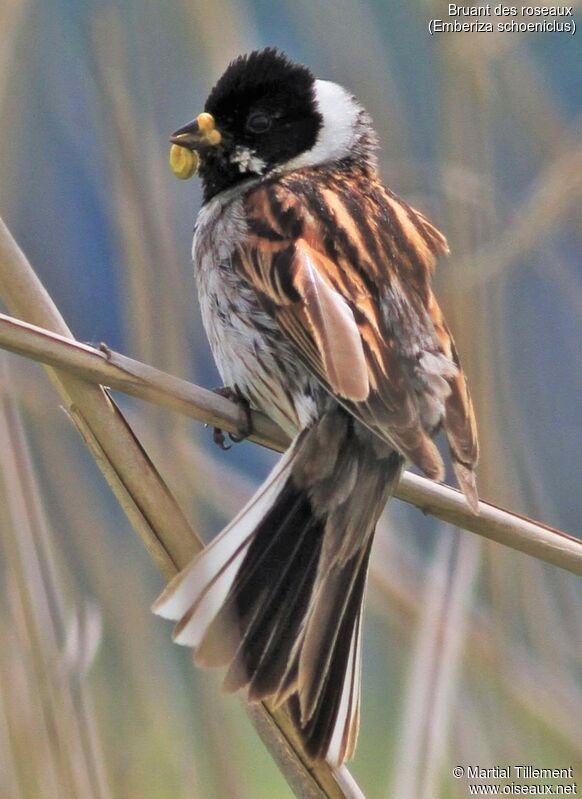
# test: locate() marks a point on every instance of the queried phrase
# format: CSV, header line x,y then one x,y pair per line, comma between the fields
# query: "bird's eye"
x,y
258,122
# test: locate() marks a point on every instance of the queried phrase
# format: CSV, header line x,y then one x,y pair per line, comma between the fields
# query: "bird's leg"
x,y
245,425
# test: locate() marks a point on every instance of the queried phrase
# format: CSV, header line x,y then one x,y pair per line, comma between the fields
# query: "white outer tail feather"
x,y
343,739
194,597
188,590
209,600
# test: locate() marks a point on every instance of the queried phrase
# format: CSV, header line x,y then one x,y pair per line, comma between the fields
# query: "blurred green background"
x,y
472,652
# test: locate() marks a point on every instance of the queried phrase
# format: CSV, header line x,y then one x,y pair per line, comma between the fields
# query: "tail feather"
x,y
213,566
331,614
251,589
191,628
331,730
274,667
341,579
267,600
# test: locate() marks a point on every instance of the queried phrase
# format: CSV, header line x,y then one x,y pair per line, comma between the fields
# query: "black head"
x,y
265,113
264,108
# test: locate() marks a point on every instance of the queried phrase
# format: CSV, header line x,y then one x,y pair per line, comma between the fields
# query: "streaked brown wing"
x,y
460,424
344,266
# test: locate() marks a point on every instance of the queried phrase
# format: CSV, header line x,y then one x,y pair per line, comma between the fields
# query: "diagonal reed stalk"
x,y
149,505
140,380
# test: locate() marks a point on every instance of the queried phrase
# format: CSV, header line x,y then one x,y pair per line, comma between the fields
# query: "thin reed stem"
x,y
140,380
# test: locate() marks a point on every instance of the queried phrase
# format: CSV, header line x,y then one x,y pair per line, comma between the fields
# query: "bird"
x,y
314,282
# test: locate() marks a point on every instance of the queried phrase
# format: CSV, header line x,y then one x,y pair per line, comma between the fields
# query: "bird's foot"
x,y
245,425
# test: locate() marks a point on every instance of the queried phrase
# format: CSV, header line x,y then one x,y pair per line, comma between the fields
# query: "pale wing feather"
x,y
333,327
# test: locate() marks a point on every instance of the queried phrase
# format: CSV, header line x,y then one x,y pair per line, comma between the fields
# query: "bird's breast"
x,y
249,348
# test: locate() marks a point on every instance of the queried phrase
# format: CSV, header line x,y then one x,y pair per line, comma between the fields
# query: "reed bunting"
x,y
314,283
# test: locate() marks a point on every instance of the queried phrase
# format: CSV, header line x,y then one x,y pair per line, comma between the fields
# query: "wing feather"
x,y
333,327
346,273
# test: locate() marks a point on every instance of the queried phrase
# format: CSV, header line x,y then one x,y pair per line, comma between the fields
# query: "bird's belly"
x,y
252,354
249,349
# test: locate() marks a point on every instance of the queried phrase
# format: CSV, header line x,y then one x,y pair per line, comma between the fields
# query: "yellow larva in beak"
x,y
207,127
183,162
199,135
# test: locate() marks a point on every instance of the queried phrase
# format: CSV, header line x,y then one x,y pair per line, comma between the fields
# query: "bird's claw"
x,y
245,426
219,439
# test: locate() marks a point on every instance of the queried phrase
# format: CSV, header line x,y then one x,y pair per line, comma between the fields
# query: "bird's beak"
x,y
189,142
198,135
